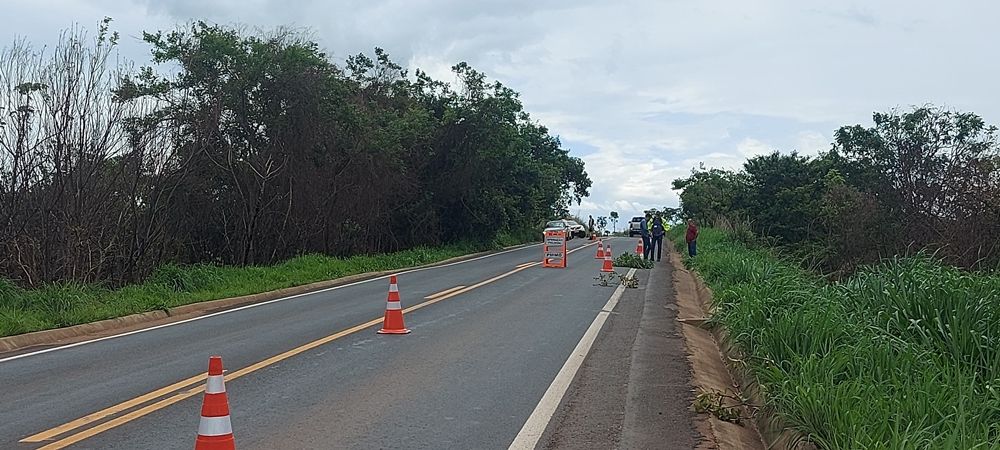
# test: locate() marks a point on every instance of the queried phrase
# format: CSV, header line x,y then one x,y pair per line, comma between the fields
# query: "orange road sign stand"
x,y
554,249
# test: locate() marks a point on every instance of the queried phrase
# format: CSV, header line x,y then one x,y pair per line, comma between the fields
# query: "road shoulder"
x,y
634,389
658,412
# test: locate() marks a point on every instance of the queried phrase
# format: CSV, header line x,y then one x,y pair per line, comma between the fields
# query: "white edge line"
x,y
254,305
536,424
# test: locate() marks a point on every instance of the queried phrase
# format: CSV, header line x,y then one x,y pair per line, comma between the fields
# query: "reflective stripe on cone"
x,y
215,430
392,323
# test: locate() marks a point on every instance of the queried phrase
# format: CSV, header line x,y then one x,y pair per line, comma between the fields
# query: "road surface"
x,y
480,368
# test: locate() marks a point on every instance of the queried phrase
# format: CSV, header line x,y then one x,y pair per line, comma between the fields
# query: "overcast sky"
x,y
643,91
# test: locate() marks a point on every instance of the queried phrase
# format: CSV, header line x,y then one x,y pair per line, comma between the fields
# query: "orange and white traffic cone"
x,y
638,248
607,262
600,250
215,431
393,321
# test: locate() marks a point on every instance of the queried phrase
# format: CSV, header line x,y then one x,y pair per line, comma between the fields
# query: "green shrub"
x,y
902,355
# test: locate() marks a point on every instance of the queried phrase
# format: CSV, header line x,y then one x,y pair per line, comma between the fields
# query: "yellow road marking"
x,y
90,432
93,417
123,419
524,265
447,291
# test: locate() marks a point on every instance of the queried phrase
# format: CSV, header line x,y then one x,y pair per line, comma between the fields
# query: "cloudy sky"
x,y
643,91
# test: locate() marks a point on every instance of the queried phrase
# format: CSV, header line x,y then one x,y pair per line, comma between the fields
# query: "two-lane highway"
x,y
489,336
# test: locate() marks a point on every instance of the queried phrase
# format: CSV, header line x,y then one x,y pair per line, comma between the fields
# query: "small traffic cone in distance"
x,y
215,431
638,248
608,267
600,250
393,321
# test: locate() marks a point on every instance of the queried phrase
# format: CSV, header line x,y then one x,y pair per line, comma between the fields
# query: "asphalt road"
x,y
307,372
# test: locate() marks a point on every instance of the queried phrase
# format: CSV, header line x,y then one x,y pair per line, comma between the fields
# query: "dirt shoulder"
x,y
710,373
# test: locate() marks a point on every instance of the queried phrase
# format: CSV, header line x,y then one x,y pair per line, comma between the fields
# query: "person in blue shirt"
x,y
656,232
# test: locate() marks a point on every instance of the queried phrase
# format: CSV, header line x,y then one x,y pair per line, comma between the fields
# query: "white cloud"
x,y
750,147
812,143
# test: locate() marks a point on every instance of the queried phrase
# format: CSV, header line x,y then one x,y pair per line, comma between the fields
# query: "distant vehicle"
x,y
576,229
635,226
571,228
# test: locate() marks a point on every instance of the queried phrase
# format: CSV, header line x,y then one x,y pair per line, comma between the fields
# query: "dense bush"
x,y
928,179
903,354
632,260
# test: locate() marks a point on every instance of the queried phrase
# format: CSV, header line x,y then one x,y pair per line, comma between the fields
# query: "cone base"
x,y
403,331
215,443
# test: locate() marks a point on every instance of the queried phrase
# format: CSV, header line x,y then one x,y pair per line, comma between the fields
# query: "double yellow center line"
x,y
185,389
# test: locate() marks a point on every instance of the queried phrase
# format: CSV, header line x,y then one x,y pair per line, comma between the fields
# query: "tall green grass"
x,y
904,355
65,304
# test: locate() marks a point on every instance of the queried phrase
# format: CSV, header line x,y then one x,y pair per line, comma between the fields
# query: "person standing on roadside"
x,y
692,238
590,225
644,232
656,232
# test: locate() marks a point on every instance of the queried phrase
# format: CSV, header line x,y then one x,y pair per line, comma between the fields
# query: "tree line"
x,y
925,179
242,148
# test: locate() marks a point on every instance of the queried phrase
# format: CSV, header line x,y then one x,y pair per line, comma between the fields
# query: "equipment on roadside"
x,y
215,431
393,321
638,248
600,250
608,266
554,249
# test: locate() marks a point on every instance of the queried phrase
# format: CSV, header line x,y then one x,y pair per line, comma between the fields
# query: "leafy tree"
x,y
782,195
710,193
602,223
672,214
926,178
934,173
247,148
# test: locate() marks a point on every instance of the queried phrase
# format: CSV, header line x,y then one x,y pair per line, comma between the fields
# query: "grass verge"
x,y
65,304
903,355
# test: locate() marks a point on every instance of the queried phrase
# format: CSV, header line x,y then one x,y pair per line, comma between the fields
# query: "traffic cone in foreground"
x,y
607,262
393,322
600,250
215,431
638,248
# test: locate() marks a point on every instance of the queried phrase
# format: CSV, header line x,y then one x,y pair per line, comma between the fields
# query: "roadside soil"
x,y
710,373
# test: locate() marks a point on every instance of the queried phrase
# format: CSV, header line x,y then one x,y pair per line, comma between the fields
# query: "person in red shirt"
x,y
692,238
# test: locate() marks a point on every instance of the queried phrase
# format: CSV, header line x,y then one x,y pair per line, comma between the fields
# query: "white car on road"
x,y
571,228
557,225
576,229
